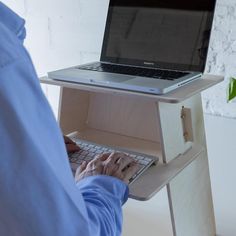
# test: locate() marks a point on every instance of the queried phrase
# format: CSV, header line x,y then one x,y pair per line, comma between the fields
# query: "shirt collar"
x,y
10,19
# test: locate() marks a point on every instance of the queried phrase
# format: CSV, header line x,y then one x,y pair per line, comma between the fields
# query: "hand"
x,y
117,165
70,145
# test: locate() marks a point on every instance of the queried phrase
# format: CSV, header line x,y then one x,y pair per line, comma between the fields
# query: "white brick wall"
x,y
222,59
63,33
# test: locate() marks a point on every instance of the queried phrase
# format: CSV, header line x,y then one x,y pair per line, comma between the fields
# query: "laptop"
x,y
149,46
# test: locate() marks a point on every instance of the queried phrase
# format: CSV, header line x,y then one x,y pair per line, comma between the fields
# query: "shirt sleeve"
x,y
108,194
38,195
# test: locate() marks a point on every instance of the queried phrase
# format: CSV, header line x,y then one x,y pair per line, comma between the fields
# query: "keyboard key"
x,y
74,166
75,154
73,159
92,150
147,159
133,156
88,159
79,162
84,153
98,151
90,154
143,162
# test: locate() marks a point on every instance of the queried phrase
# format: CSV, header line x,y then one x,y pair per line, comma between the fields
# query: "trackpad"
x,y
111,78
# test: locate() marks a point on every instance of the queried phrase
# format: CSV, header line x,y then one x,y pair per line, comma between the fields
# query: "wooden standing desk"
x,y
170,126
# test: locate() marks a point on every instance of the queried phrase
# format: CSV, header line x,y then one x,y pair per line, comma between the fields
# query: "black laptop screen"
x,y
159,33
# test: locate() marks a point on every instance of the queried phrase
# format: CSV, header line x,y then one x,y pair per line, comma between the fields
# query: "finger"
x,y
124,162
114,157
111,168
97,162
72,148
116,163
130,171
102,157
81,168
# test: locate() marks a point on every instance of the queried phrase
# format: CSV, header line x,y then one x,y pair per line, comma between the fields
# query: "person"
x,y
38,193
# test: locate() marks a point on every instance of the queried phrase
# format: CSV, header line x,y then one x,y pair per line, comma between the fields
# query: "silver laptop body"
x,y
149,46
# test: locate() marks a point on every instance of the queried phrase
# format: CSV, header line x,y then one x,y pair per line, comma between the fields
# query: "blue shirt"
x,y
38,194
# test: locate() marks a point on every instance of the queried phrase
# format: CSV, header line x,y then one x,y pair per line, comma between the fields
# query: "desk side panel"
x,y
190,196
190,200
172,127
73,110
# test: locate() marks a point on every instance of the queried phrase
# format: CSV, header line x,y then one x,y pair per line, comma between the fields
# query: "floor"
x,y
152,218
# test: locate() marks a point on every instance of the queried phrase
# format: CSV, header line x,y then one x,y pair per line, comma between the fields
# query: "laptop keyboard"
x,y
135,71
90,150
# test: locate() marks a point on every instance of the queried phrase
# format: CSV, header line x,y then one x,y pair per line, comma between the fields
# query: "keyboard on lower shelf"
x,y
90,150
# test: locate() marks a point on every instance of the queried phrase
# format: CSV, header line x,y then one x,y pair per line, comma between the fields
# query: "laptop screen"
x,y
159,33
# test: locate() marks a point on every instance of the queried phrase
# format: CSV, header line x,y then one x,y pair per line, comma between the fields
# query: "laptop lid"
x,y
163,34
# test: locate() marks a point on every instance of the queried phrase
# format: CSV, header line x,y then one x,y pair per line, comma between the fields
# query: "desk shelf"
x,y
175,96
160,175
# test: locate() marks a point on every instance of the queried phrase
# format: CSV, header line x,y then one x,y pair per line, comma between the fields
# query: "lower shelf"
x,y
156,177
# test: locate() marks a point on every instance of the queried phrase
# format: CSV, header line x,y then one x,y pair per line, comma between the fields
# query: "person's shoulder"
x,y
9,47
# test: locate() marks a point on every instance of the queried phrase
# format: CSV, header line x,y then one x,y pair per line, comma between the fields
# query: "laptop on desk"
x,y
149,46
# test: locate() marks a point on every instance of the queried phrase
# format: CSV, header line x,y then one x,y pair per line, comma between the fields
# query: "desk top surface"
x,y
175,96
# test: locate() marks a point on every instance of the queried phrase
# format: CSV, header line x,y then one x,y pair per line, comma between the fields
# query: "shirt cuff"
x,y
106,184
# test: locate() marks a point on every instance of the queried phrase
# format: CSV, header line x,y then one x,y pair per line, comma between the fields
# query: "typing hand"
x,y
70,145
116,164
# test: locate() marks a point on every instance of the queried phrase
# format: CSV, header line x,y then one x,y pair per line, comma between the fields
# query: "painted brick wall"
x,y
63,33
222,59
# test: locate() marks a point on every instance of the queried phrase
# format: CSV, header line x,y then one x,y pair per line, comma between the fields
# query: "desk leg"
x,y
189,192
190,200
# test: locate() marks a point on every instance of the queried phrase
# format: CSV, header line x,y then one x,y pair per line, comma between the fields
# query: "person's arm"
x,y
38,192
39,195
97,191
104,197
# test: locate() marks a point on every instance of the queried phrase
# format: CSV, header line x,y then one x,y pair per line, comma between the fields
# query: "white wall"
x,y
220,134
63,33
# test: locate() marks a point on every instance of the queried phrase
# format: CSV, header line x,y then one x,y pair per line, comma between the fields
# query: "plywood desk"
x,y
170,126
